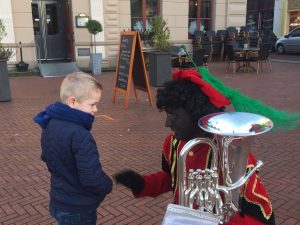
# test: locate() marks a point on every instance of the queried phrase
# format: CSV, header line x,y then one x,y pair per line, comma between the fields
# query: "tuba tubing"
x,y
233,132
182,164
181,171
242,180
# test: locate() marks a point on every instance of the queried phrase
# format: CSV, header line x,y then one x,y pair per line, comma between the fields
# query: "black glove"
x,y
130,179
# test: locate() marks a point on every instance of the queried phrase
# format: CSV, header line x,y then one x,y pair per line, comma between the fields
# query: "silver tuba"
x,y
233,134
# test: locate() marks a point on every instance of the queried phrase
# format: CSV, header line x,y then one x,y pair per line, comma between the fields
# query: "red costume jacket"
x,y
255,205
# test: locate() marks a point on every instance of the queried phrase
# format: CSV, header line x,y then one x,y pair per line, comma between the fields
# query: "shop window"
x,y
267,19
141,13
200,16
294,20
260,14
252,21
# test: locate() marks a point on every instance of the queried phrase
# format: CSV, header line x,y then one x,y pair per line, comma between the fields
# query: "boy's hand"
x,y
130,179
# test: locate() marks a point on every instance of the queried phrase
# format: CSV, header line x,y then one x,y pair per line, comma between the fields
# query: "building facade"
x,y
53,30
286,16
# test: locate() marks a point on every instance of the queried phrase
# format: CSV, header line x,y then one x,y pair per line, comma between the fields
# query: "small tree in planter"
x,y
159,61
160,34
94,27
5,54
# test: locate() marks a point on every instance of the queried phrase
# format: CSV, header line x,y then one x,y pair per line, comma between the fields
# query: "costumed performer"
x,y
185,99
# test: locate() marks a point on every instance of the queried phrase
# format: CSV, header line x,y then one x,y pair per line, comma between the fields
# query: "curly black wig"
x,y
187,95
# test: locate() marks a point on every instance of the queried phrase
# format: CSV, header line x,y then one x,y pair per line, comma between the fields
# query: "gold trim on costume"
x,y
173,161
259,196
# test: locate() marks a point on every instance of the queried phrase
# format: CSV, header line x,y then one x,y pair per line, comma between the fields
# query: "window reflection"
x,y
151,8
260,14
137,24
193,8
267,19
199,16
205,8
251,21
294,20
136,8
141,13
35,18
205,24
51,17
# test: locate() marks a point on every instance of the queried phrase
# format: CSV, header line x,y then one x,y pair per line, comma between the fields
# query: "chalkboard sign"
x,y
125,57
131,67
138,67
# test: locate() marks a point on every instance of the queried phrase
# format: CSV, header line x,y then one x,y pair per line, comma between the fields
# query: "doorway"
x,y
49,25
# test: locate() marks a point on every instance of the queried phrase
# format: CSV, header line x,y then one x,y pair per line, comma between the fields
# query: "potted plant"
x,y
160,69
94,27
5,54
246,43
146,37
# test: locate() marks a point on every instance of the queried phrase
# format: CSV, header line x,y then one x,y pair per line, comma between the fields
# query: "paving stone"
x,y
133,139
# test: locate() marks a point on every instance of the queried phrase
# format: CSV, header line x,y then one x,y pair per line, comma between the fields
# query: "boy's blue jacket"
x,y
78,182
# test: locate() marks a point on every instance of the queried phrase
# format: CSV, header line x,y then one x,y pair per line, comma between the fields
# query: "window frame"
x,y
257,7
144,11
199,18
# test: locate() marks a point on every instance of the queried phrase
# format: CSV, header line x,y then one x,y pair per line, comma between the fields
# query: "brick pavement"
x,y
133,139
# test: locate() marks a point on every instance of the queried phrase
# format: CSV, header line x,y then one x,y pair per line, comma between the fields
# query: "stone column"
x,y
96,9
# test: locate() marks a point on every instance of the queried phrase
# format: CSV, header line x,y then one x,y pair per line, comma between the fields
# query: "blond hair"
x,y
80,85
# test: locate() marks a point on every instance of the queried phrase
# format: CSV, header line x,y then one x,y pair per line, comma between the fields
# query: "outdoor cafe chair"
x,y
198,57
175,61
260,57
235,57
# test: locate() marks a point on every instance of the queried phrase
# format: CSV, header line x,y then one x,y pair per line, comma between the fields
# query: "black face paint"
x,y
182,124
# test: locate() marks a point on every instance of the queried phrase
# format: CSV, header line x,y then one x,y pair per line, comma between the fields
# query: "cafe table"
x,y
246,52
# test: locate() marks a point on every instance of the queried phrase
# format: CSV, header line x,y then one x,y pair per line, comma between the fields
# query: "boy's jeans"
x,y
68,218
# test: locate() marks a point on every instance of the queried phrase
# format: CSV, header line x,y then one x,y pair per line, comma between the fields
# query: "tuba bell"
x,y
215,190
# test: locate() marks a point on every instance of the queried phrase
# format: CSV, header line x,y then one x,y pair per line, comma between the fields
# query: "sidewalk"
x,y
133,139
289,58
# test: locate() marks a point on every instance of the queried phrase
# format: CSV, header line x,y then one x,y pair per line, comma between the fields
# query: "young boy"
x,y
78,183
184,100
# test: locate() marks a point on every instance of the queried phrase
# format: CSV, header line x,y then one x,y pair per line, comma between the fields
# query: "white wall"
x,y
277,18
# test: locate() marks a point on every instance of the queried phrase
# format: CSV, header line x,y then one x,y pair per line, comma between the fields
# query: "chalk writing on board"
x,y
124,61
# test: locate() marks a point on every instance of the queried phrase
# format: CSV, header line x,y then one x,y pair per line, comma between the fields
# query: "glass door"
x,y
48,26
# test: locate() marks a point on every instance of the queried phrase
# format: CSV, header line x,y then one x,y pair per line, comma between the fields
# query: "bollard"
x,y
21,66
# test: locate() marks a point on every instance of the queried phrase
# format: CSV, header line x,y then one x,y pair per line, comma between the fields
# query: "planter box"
x,y
96,61
160,69
4,82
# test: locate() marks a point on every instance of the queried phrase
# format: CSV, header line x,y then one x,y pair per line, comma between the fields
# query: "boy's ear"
x,y
71,101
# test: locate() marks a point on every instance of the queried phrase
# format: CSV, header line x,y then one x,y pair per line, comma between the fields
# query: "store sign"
x,y
83,51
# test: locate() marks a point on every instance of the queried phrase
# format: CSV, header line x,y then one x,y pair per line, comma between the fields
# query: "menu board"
x,y
131,67
124,61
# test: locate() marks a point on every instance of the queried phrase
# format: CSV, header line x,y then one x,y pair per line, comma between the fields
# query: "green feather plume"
x,y
282,119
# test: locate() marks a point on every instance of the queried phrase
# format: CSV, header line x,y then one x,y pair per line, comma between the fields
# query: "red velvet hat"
x,y
215,97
